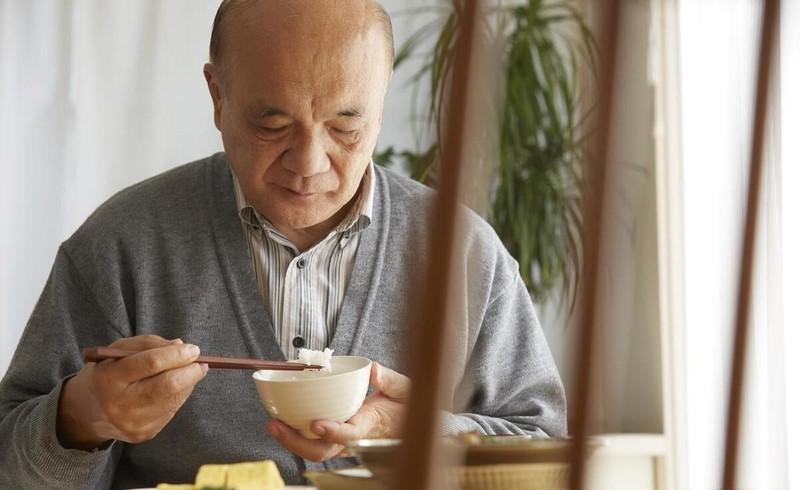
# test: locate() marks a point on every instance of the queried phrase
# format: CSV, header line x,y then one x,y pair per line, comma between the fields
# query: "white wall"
x,y
95,96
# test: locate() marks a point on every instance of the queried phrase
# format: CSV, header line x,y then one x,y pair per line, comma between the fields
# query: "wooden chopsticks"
x,y
97,354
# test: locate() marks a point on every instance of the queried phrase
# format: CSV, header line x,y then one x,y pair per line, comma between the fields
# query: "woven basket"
x,y
534,476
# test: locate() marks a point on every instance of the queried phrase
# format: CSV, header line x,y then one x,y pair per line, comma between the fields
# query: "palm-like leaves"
x,y
535,174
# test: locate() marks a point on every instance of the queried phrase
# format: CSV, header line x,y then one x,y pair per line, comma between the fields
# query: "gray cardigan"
x,y
168,256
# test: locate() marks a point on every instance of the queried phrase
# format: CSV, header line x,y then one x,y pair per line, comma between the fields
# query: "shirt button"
x,y
298,342
301,263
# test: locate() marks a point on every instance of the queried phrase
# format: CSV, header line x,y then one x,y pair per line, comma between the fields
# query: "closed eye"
x,y
347,136
273,130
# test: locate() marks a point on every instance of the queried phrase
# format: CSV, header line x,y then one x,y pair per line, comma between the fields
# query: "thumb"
x,y
143,342
390,383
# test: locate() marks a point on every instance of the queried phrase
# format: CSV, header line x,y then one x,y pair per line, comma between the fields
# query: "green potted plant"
x,y
534,171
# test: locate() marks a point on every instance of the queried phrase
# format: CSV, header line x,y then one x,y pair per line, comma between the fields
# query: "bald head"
x,y
232,11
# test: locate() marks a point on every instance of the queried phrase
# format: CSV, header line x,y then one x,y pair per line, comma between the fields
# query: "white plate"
x,y
354,472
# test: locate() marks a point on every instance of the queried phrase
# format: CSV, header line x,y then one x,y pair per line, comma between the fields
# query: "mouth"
x,y
295,193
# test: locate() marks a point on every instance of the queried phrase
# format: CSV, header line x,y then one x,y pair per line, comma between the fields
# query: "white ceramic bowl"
x,y
299,397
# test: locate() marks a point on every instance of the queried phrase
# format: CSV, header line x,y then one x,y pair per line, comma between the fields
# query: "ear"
x,y
212,79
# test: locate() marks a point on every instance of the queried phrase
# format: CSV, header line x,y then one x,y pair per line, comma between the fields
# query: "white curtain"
x,y
94,96
718,42
790,232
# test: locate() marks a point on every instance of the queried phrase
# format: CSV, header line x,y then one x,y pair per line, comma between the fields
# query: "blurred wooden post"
x,y
769,27
593,217
420,437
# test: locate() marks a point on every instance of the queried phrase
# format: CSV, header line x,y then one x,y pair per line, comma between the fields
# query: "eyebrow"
x,y
354,112
271,111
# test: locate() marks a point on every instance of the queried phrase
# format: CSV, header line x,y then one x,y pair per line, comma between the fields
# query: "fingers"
x,y
173,387
132,399
379,417
143,423
391,383
343,433
143,342
151,362
141,410
310,449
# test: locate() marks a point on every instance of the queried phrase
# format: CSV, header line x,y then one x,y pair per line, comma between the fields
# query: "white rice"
x,y
318,357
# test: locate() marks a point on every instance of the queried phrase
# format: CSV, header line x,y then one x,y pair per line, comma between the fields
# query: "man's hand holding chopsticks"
x,y
129,399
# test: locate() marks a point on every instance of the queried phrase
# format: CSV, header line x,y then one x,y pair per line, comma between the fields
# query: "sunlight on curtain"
x,y
718,41
790,204
717,54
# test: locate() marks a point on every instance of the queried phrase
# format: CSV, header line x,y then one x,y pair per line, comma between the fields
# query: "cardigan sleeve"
x,y
511,384
65,319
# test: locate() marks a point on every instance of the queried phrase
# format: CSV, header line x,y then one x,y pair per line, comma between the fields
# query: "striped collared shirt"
x,y
303,292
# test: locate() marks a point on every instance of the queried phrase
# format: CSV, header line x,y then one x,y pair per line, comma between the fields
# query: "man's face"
x,y
299,107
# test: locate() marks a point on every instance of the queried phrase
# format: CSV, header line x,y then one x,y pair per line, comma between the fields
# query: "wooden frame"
x,y
769,25
418,456
419,453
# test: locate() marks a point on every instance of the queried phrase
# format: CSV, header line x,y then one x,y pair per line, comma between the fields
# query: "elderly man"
x,y
290,239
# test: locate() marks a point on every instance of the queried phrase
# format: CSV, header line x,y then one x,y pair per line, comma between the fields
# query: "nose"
x,y
307,156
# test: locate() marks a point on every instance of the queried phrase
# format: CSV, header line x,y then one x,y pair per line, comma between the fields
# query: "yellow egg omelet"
x,y
212,477
262,475
257,475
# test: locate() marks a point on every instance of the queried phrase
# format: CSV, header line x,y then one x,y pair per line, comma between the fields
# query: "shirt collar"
x,y
359,217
